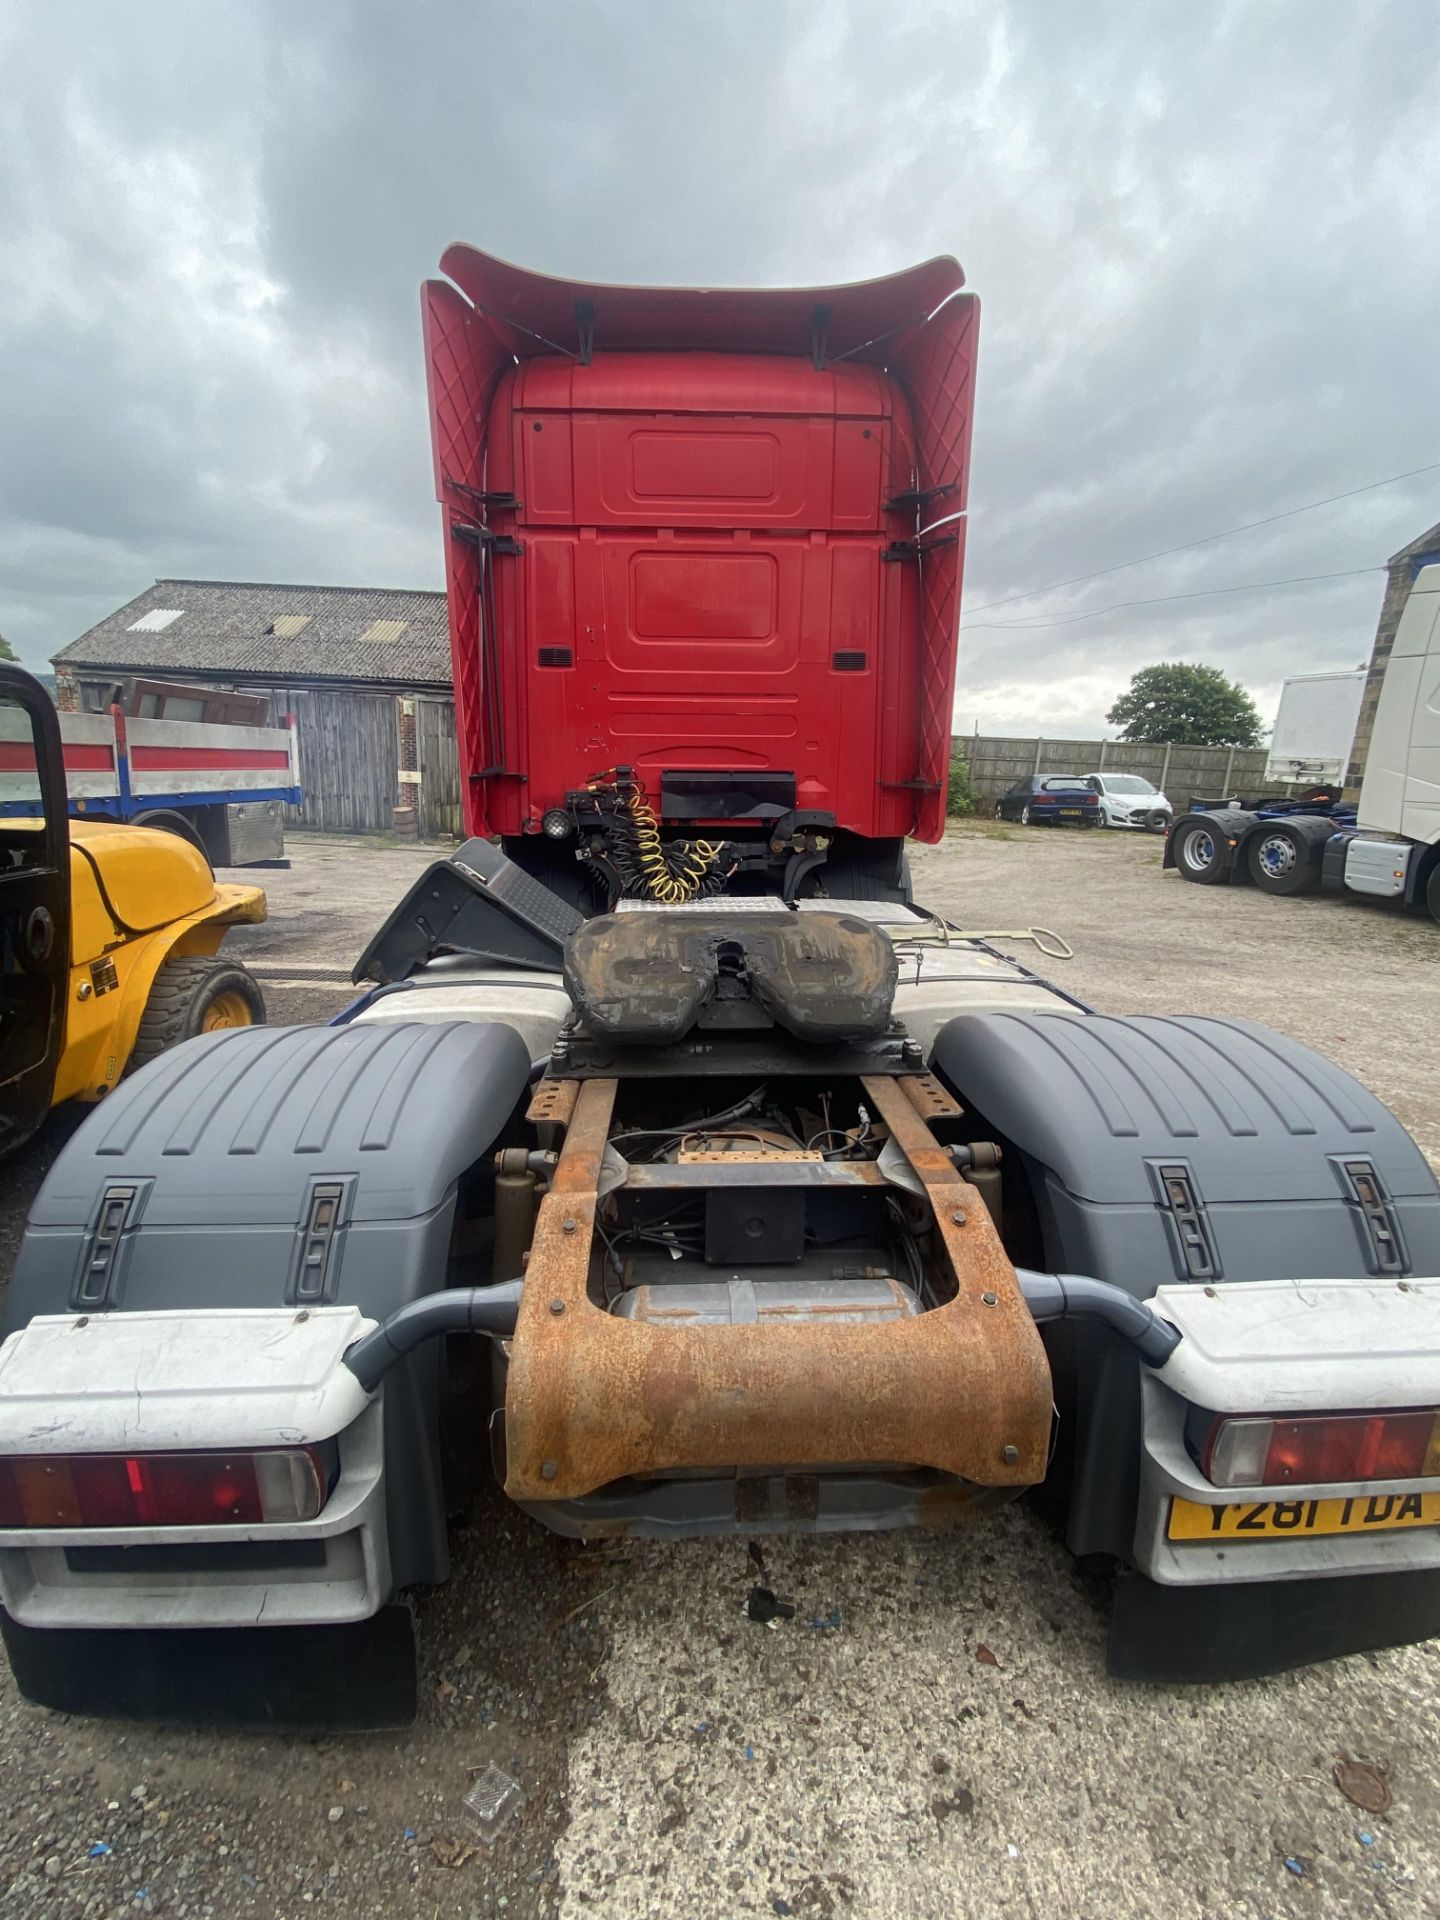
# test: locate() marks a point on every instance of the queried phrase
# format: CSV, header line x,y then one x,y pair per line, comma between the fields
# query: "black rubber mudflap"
x,y
1205,1634
358,1678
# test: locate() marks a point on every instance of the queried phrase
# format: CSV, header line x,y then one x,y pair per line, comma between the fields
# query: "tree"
x,y
961,797
7,652
1189,705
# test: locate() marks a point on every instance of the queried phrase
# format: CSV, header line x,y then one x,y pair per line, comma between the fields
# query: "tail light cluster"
x,y
166,1489
1251,1451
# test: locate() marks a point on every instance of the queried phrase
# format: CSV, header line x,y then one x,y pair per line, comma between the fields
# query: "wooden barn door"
x,y
349,759
439,762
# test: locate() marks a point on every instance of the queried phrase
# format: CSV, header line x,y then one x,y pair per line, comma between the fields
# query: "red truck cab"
x,y
703,562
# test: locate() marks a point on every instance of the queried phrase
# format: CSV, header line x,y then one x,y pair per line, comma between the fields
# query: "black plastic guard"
x,y
357,1678
1197,1635
476,901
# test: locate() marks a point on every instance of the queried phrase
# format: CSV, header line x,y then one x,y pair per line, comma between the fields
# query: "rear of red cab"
x,y
699,531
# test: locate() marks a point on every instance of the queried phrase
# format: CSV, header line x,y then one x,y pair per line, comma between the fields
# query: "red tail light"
x,y
165,1489
1044,800
1258,1452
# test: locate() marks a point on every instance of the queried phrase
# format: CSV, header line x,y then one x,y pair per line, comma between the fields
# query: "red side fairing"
x,y
704,532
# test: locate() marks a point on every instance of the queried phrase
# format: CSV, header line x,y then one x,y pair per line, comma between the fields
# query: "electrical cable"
x,y
1160,600
1185,546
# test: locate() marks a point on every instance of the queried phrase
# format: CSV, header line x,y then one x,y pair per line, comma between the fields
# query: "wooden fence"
x,y
996,763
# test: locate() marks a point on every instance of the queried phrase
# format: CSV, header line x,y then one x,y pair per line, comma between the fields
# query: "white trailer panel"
x,y
1315,728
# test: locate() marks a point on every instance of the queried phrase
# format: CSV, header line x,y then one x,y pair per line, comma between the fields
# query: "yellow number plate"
x,y
1279,1519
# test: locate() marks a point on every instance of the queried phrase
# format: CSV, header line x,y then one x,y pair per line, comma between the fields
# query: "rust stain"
x,y
593,1398
929,1099
552,1101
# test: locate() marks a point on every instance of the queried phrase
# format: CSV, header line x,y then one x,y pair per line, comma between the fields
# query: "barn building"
x,y
363,671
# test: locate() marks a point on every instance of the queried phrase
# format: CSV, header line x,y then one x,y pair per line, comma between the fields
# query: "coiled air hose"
x,y
675,875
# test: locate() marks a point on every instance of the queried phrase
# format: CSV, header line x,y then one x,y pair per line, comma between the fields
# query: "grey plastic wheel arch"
x,y
226,1139
1088,1110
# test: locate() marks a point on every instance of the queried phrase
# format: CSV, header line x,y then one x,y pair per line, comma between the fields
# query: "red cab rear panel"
x,y
674,545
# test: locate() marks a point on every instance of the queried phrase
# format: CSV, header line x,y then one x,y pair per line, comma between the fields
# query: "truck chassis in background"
x,y
1386,845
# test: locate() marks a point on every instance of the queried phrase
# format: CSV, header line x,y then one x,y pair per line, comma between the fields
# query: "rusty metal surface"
x,y
931,1100
592,1398
553,1101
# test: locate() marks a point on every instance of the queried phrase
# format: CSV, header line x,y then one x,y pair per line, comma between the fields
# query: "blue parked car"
x,y
1051,800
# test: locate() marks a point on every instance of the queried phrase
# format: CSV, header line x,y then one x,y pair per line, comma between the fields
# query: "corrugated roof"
x,y
275,632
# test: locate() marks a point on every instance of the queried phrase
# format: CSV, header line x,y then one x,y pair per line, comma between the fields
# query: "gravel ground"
x,y
932,1733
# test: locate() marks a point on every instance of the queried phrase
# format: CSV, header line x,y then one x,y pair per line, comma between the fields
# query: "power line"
x,y
1160,600
1205,539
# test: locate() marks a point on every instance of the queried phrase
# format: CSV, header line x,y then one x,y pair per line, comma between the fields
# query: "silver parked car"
x,y
1126,800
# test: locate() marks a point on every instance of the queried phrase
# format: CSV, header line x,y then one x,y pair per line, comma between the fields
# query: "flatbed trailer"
x,y
222,787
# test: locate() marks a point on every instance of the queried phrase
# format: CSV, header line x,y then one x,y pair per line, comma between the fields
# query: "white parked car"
x,y
1128,801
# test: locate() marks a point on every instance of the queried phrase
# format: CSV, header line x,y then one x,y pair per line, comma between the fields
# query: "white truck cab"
x,y
1401,789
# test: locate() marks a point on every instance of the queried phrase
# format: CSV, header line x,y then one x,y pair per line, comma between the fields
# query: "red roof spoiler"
x,y
532,313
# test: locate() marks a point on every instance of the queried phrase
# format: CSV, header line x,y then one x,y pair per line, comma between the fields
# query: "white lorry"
x,y
1388,846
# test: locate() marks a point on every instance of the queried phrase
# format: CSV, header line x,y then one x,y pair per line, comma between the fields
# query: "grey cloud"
x,y
1201,237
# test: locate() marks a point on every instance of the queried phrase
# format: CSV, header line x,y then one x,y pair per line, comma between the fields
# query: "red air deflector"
x,y
741,515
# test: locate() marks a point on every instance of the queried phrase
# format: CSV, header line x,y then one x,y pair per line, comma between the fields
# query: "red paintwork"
x,y
198,759
702,522
17,756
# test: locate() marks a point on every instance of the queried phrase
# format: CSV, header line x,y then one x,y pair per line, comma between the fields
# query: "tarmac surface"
x,y
932,1733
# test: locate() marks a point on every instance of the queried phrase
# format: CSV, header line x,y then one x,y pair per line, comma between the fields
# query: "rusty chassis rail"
x,y
592,1398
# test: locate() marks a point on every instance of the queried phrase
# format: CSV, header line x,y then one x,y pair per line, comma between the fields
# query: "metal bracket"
x,y
483,537
916,497
585,327
920,544
502,501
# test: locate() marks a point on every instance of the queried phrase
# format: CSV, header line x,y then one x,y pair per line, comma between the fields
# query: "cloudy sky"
x,y
1203,237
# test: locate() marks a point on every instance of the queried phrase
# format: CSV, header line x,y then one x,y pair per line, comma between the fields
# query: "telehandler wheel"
x,y
200,994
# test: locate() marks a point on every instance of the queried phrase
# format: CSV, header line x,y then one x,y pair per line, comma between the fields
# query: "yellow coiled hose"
x,y
673,879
